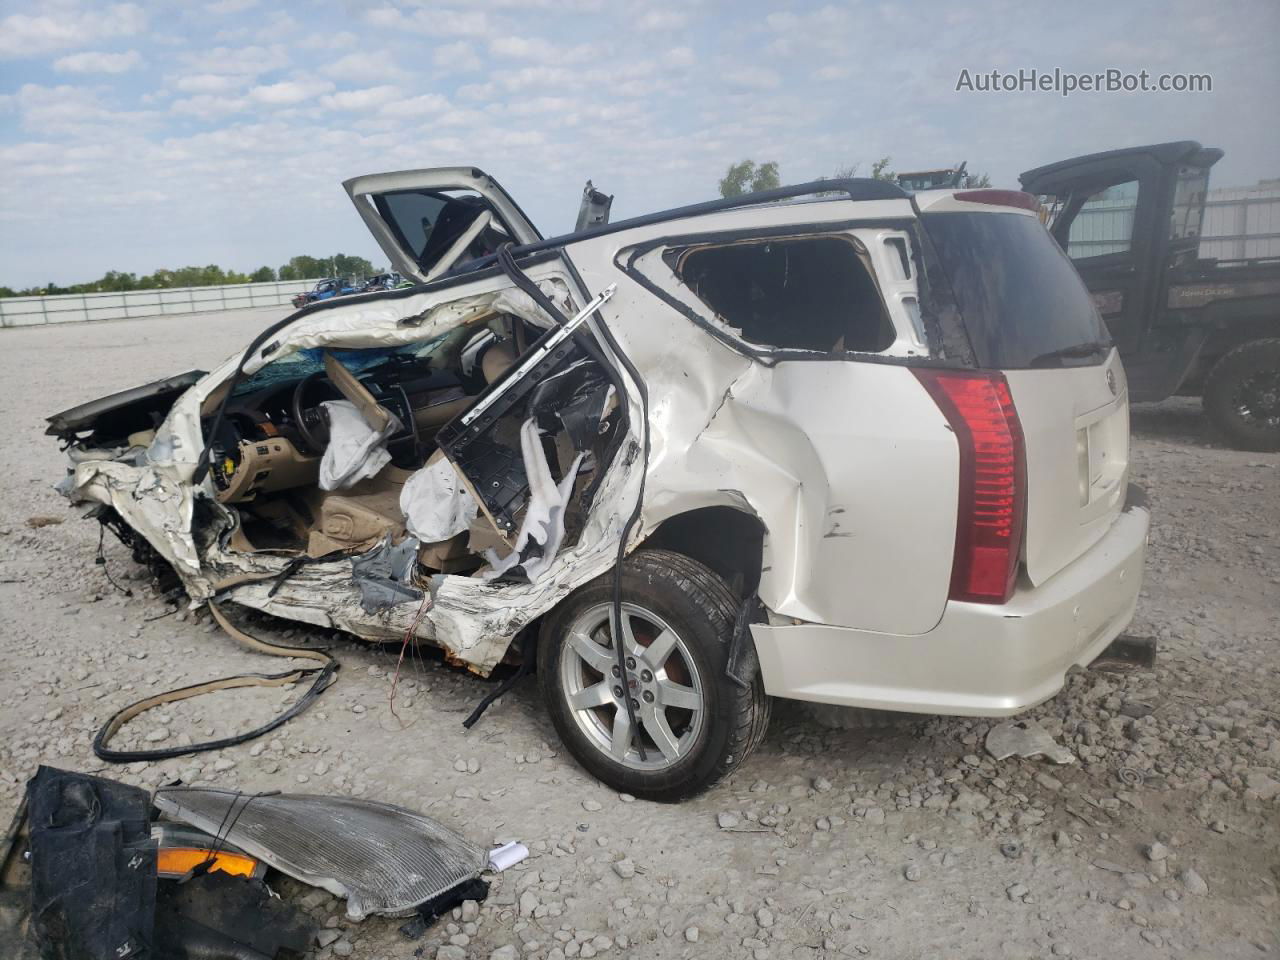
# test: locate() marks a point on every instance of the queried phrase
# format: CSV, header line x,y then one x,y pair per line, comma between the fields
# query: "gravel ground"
x,y
834,840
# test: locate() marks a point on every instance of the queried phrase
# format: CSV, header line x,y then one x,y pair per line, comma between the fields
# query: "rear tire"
x,y
695,723
1242,395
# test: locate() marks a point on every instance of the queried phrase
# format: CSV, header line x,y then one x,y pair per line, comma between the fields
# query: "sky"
x,y
135,136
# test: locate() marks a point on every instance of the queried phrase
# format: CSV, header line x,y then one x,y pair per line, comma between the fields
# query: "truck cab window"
x,y
1188,203
1104,224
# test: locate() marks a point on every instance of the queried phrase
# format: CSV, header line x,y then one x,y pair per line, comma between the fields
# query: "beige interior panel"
x,y
357,516
267,466
432,418
375,415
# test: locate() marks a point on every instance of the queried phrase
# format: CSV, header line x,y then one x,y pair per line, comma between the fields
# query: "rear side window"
x,y
1020,298
805,293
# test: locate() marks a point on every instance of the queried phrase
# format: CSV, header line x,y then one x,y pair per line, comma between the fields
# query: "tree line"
x,y
749,177
117,281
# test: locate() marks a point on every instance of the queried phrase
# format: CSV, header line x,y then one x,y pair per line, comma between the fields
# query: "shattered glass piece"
x,y
384,575
1025,738
355,451
382,858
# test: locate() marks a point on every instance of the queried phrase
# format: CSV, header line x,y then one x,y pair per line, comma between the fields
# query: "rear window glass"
x,y
1021,300
799,293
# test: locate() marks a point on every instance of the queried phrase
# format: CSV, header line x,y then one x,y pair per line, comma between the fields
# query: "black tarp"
x,y
93,867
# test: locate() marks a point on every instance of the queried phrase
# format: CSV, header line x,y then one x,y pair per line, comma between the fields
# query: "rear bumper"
x,y
981,659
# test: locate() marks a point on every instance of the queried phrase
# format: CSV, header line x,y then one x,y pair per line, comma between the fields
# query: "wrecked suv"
x,y
834,443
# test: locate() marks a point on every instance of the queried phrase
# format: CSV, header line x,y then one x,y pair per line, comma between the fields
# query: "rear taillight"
x,y
993,481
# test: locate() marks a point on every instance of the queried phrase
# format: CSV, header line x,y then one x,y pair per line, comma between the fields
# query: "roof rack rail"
x,y
854,188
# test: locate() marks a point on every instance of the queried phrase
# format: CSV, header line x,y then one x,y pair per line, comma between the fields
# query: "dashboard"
x,y
273,436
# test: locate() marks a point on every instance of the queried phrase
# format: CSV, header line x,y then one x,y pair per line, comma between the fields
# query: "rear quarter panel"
x,y
854,471
848,463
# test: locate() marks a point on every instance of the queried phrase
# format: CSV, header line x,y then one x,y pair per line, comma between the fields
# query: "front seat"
x,y
497,360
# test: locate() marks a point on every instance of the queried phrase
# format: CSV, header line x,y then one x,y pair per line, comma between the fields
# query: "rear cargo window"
x,y
1021,300
805,293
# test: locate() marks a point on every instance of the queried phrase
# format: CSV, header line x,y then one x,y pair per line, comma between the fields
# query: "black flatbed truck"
x,y
1184,325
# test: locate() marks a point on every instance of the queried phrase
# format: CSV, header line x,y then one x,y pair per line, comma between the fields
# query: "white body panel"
x,y
1076,428
981,659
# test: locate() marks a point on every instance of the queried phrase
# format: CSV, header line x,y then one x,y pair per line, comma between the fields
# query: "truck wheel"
x,y
695,724
1242,395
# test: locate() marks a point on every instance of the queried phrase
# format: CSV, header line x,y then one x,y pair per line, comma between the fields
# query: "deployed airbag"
x,y
435,503
381,858
356,451
542,529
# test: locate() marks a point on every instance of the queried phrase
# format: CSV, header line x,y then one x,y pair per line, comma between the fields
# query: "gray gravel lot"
x,y
834,840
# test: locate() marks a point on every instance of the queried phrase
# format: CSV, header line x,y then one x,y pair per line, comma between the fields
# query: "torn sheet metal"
x,y
355,451
435,503
383,859
474,620
542,529
385,575
1025,738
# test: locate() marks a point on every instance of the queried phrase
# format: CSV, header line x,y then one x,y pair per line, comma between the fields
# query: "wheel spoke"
x,y
656,653
672,694
655,721
620,742
598,658
596,695
629,644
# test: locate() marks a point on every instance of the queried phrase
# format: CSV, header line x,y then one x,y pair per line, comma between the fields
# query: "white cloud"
x,y
230,6
328,41
538,50
363,66
97,62
434,21
662,20
289,92
24,35
251,61
460,56
70,111
360,99
419,106
680,57
208,105
209,82
753,78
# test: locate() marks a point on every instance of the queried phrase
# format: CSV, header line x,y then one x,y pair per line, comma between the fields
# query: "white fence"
x,y
1240,223
75,307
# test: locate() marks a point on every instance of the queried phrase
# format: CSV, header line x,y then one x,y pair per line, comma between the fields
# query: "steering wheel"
x,y
312,420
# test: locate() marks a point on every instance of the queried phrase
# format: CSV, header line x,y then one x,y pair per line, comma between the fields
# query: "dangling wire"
x,y
101,560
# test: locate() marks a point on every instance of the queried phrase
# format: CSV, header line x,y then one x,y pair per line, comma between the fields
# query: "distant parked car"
x,y
383,281
324,290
